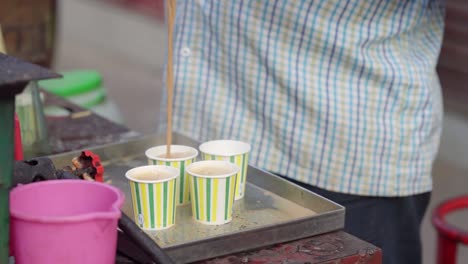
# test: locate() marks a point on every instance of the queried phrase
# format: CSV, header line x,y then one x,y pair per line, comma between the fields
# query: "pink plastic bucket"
x,y
65,221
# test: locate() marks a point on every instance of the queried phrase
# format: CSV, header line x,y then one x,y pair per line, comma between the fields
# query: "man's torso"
x,y
338,94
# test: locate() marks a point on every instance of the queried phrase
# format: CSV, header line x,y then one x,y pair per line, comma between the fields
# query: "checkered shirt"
x,y
339,94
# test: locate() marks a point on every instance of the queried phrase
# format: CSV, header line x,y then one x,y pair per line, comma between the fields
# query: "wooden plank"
x,y
335,247
29,29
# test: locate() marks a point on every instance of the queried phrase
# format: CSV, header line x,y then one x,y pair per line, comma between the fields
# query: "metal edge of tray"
x,y
292,191
256,238
330,215
309,200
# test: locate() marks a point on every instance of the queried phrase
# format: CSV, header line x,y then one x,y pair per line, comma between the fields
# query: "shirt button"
x,y
186,52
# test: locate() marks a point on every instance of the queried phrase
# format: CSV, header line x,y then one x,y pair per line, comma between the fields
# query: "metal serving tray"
x,y
272,211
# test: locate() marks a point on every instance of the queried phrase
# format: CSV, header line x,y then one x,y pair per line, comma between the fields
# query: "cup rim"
x,y
243,145
151,156
172,170
235,171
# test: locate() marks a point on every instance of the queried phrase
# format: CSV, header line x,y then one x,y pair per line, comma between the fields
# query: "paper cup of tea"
x,y
212,185
181,157
153,190
236,152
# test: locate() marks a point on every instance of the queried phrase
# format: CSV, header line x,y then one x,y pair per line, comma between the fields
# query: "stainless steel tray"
x,y
272,211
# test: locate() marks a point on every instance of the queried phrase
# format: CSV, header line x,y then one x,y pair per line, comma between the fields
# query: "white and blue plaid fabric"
x,y
339,94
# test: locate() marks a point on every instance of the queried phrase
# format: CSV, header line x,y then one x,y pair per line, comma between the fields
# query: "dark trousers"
x,y
393,224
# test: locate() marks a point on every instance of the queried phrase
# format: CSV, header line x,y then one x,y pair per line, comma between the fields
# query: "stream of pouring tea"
x,y
171,13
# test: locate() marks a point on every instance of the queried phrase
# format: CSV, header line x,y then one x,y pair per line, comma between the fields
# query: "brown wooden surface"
x,y
336,247
29,29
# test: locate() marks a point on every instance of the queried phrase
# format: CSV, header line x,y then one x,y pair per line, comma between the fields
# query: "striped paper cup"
x,y
153,200
236,152
184,156
212,184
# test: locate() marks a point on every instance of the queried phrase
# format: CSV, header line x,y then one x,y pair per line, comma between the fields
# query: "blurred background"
x,y
125,40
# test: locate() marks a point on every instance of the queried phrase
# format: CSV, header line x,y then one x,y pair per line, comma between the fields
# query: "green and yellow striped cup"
x,y
181,157
212,184
236,152
153,190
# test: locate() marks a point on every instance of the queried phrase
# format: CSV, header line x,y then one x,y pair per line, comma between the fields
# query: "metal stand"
x,y
14,76
7,108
